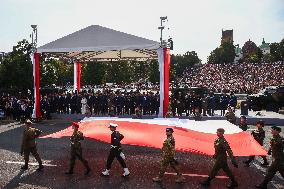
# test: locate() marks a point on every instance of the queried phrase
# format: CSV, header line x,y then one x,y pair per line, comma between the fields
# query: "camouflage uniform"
x,y
221,149
259,136
230,116
276,147
76,151
168,151
29,146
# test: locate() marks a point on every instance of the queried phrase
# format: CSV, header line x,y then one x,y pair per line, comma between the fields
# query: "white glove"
x,y
122,155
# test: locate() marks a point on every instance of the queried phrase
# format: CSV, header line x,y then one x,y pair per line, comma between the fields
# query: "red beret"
x,y
75,124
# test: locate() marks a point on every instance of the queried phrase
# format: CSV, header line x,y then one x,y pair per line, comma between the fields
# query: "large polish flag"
x,y
191,136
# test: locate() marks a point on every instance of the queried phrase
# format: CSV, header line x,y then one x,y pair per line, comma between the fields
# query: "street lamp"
x,y
164,43
2,54
34,37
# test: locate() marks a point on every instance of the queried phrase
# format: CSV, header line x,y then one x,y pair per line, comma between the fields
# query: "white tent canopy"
x,y
100,43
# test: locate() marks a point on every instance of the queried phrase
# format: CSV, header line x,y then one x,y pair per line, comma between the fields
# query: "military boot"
x,y
180,179
105,173
261,186
157,179
25,167
206,182
233,184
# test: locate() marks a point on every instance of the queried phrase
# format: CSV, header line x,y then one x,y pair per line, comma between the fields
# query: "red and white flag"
x,y
191,136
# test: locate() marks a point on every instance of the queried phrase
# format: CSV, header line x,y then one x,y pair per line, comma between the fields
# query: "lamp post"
x,y
34,37
165,43
2,55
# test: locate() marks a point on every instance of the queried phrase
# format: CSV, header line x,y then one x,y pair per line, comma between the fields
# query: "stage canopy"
x,y
97,43
100,43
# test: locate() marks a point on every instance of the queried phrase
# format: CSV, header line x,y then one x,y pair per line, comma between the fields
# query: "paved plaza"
x,y
143,164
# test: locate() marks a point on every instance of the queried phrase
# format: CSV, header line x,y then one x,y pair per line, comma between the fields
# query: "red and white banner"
x,y
77,76
35,57
164,67
191,136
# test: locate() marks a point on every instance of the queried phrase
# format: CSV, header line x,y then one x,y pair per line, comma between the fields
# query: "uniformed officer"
x,y
221,149
230,116
168,151
29,145
76,150
276,148
243,123
115,152
259,136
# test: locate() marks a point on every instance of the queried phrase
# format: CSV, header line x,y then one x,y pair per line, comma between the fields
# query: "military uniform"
x,y
115,152
276,148
29,146
221,149
168,151
230,116
259,136
76,151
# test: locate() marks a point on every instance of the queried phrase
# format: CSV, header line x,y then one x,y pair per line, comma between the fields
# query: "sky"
x,y
194,25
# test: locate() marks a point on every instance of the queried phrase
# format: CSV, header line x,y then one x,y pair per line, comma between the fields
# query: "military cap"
x,y
244,117
75,124
221,130
260,122
28,122
169,130
113,125
276,128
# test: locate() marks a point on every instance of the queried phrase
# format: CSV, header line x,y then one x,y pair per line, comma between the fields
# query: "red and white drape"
x,y
35,57
164,67
77,76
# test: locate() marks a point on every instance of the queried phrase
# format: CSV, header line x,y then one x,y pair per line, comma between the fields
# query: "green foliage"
x,y
93,73
223,54
16,68
154,74
251,53
180,62
55,72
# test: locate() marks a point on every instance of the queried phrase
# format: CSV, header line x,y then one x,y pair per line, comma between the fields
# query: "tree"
x,y
251,53
215,57
55,72
181,62
228,53
94,73
16,69
154,74
223,54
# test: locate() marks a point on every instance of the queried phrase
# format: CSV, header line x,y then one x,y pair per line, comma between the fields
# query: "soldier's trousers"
x,y
221,164
275,166
115,153
165,163
33,151
77,153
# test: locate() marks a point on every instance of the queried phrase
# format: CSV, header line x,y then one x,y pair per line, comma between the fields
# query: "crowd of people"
x,y
143,98
245,78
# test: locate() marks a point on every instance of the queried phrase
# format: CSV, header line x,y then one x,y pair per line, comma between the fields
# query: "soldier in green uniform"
x,y
230,116
76,150
276,148
29,145
259,136
221,149
168,151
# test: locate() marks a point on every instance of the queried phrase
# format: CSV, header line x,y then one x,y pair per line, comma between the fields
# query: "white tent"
x,y
100,43
103,44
